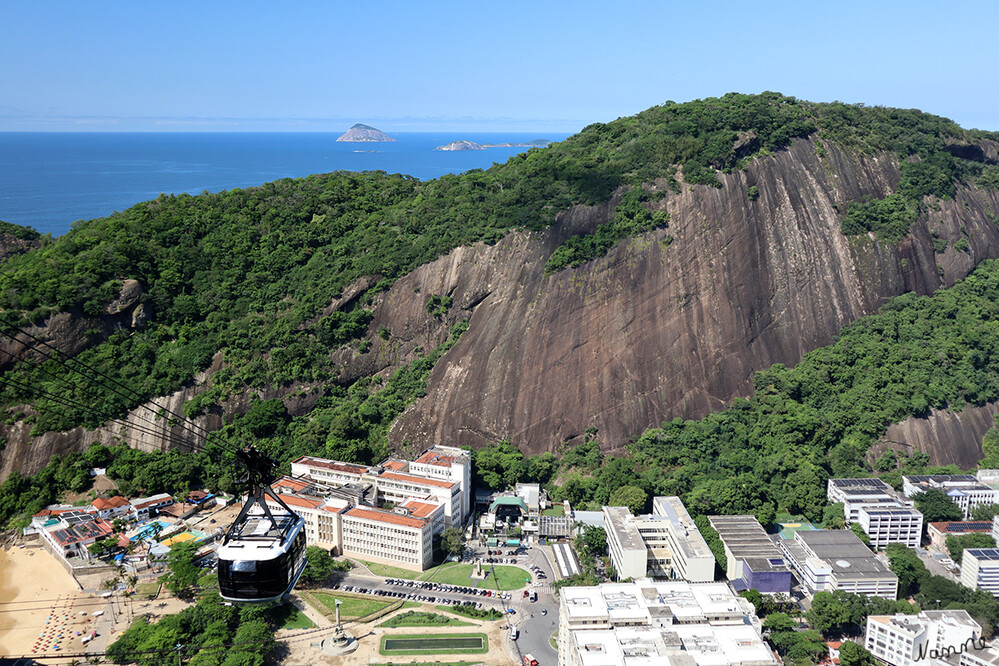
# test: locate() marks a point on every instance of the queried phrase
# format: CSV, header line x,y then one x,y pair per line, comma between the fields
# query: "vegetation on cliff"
x,y
775,451
244,277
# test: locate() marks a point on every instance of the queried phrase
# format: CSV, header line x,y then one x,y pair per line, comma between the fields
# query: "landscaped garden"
x,y
507,577
351,607
421,619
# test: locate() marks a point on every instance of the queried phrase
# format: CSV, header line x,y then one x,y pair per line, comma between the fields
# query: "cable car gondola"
x,y
262,555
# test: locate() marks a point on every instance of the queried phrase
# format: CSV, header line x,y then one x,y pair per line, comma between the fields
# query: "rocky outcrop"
x,y
360,133
11,245
657,330
461,145
947,437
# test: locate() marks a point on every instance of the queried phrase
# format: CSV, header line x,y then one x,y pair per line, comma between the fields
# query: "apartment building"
x,y
964,489
441,472
895,524
904,640
403,537
321,514
828,560
664,544
754,561
980,569
645,622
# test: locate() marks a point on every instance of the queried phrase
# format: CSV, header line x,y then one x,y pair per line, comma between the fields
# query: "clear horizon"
x,y
448,66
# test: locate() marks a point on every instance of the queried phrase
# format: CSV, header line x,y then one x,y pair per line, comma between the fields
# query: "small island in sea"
x,y
471,145
364,133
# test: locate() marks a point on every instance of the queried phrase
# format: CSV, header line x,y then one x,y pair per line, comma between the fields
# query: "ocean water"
x,y
50,180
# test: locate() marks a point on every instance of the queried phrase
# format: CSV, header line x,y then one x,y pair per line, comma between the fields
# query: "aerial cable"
x,y
74,360
75,405
37,392
64,360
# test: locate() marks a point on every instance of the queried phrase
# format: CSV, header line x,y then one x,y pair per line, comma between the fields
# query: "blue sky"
x,y
511,66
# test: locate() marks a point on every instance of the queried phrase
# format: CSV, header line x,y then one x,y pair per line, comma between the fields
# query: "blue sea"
x,y
50,180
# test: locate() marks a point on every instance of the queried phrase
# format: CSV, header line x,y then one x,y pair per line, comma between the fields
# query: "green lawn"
x,y
351,607
441,639
289,617
557,510
386,571
147,590
507,577
484,614
422,619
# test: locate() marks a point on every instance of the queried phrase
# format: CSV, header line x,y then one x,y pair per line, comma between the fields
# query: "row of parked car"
x,y
441,587
411,596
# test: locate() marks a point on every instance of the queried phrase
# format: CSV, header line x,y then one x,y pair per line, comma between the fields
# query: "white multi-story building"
x,y
665,544
448,463
995,529
895,524
403,537
321,514
855,494
642,623
874,505
904,640
964,489
829,560
443,473
144,507
980,569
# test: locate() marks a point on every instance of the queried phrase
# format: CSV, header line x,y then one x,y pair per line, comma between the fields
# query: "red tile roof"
x,y
288,482
331,465
432,457
394,465
102,504
298,500
385,517
420,509
417,480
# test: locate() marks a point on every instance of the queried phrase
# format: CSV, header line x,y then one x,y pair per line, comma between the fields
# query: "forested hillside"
x,y
283,289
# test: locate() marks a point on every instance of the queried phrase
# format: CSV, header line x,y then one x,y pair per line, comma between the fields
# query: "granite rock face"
x,y
658,330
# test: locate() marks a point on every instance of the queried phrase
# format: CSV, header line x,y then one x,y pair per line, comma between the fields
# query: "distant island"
x,y
364,133
471,145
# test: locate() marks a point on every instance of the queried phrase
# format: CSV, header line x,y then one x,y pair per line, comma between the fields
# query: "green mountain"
x,y
640,271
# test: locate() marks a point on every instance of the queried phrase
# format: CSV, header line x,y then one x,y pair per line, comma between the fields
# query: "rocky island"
x,y
471,145
361,133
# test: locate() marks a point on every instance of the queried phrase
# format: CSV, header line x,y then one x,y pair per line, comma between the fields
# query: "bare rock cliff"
x,y
658,330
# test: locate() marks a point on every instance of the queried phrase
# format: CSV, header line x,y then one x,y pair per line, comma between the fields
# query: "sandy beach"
x,y
40,604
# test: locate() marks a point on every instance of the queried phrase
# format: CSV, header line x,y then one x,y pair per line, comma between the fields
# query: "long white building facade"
x,y
644,622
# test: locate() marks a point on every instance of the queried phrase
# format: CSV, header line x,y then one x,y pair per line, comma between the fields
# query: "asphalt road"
x,y
534,631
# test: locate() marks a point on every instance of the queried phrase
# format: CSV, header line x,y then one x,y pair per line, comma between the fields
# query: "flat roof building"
x,y
664,544
980,569
892,524
904,640
754,561
884,515
964,489
829,560
642,623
